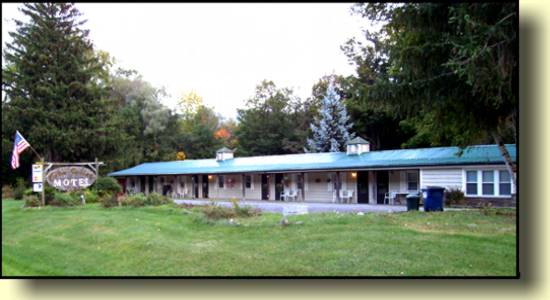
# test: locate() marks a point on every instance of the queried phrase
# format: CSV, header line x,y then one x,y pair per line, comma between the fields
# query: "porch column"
x,y
303,179
243,185
193,183
337,183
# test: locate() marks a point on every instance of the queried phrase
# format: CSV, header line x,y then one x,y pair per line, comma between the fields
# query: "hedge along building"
x,y
374,177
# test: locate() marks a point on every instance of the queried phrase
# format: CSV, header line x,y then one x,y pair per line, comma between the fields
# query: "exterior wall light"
x,y
353,174
209,176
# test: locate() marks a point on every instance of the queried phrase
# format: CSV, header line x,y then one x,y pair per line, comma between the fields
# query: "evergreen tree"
x,y
55,86
331,132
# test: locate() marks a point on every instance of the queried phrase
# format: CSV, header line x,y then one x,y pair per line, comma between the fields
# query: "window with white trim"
x,y
412,181
488,182
471,182
505,183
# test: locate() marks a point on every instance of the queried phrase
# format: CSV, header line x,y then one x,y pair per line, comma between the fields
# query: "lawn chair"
x,y
389,198
346,196
292,195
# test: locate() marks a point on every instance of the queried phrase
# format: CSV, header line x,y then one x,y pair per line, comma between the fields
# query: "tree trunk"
x,y
510,165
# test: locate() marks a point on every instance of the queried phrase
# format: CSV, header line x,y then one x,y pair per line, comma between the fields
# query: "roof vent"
x,y
357,146
224,154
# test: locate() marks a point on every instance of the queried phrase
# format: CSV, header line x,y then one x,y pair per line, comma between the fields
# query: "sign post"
x,y
38,179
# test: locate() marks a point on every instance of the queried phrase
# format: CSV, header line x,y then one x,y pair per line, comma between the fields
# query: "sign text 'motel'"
x,y
71,178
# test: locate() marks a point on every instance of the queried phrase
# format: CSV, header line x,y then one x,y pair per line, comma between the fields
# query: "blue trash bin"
x,y
433,198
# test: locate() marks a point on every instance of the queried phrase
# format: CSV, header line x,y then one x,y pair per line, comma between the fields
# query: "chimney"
x,y
224,154
357,146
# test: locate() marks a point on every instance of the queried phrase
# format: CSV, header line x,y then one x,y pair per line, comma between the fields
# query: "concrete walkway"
x,y
277,206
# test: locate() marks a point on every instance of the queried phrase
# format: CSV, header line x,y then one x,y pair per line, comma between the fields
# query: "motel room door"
x,y
278,186
382,182
265,187
195,182
363,187
205,186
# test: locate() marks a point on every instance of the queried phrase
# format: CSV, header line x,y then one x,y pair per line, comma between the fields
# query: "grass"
x,y
165,240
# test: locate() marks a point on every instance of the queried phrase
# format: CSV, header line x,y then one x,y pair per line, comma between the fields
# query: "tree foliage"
x,y
330,132
268,124
451,69
54,84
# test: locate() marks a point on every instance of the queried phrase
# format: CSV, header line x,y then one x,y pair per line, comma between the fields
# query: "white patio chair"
x,y
292,195
284,196
390,197
346,196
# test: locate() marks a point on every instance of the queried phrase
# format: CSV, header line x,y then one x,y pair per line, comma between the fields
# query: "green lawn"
x,y
168,241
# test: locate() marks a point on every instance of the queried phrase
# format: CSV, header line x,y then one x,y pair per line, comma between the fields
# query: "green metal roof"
x,y
482,154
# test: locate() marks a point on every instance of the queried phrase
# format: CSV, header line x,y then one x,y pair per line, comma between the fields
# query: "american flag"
x,y
19,146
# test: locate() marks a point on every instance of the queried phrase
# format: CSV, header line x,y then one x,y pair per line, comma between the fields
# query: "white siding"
x,y
229,191
318,190
255,190
448,178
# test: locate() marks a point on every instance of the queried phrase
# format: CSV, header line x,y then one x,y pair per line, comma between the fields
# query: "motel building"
x,y
355,176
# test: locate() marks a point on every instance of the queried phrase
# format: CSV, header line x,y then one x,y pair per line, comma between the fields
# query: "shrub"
x,y
65,199
135,200
32,201
107,200
7,192
19,190
454,197
213,211
90,196
49,194
157,199
27,192
244,211
104,185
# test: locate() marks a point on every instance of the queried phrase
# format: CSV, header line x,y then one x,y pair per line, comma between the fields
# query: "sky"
x,y
220,51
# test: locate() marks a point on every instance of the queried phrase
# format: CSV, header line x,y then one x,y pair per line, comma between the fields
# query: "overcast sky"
x,y
222,51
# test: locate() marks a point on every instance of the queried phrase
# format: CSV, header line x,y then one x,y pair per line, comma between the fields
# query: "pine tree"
x,y
331,129
55,85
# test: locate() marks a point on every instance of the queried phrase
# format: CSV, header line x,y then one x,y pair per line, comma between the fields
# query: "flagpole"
x,y
39,156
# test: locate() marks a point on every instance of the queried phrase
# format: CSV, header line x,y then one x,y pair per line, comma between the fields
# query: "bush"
x,y
49,193
32,201
28,192
107,200
19,190
135,200
90,196
157,199
454,197
65,199
107,185
7,192
213,211
244,211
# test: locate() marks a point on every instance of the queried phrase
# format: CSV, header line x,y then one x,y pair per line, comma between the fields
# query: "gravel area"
x,y
278,206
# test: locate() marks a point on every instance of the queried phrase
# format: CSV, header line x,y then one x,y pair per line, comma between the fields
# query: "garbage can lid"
x,y
433,187
413,195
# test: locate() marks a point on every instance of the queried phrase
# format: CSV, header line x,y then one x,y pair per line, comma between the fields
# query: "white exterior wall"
x,y
447,178
255,190
228,191
321,191
349,183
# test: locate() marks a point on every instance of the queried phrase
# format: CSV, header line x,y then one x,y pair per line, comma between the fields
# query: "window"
x,y
505,184
488,183
412,181
471,182
220,181
248,181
